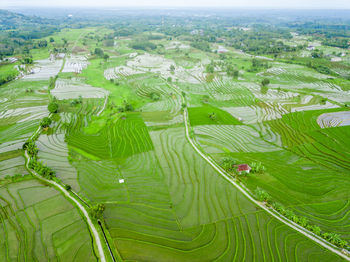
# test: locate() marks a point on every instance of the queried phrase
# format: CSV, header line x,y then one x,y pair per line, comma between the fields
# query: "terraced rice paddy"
x,y
71,89
119,140
75,64
334,119
44,69
38,224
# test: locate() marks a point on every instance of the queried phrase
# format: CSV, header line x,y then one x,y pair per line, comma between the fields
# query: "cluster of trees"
x,y
53,107
258,65
228,163
96,211
317,53
155,96
261,40
41,169
77,101
31,148
45,122
14,178
334,238
257,167
127,107
232,71
321,68
210,68
143,45
212,116
337,42
201,45
100,53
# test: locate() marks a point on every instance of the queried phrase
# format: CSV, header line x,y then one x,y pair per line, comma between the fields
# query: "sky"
x,y
297,4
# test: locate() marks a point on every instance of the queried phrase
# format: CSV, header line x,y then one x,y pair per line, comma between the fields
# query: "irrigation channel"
x,y
245,192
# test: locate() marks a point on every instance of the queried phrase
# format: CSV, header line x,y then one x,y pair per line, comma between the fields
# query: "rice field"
x,y
38,224
119,140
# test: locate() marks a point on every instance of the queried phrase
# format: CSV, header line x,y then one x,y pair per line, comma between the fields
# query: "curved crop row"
x,y
38,224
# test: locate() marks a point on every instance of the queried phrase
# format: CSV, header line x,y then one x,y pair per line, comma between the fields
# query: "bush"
x,y
96,211
262,196
143,45
52,107
257,167
31,148
228,164
41,169
265,82
45,122
155,96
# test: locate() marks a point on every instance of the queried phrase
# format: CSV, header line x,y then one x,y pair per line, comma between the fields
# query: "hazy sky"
x,y
316,4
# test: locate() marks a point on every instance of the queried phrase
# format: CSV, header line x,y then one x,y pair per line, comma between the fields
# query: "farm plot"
x,y
200,217
159,65
209,115
332,216
44,69
75,64
253,237
334,119
230,91
163,98
257,113
291,73
74,88
228,138
12,137
53,151
115,140
38,224
194,186
176,45
121,71
11,163
301,133
99,180
26,113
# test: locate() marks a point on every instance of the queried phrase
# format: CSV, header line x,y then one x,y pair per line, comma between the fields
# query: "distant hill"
x,y
10,20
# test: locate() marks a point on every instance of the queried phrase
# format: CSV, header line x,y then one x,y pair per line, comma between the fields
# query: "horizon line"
x,y
177,7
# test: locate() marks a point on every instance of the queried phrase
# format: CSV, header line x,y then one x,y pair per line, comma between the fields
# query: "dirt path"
x,y
231,180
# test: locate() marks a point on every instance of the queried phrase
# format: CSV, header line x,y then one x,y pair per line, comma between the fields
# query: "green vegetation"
x,y
99,104
209,115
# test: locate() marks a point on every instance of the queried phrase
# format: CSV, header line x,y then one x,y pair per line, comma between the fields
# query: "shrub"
x,y
155,96
31,148
262,195
257,167
228,164
45,122
265,82
52,107
96,211
41,169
